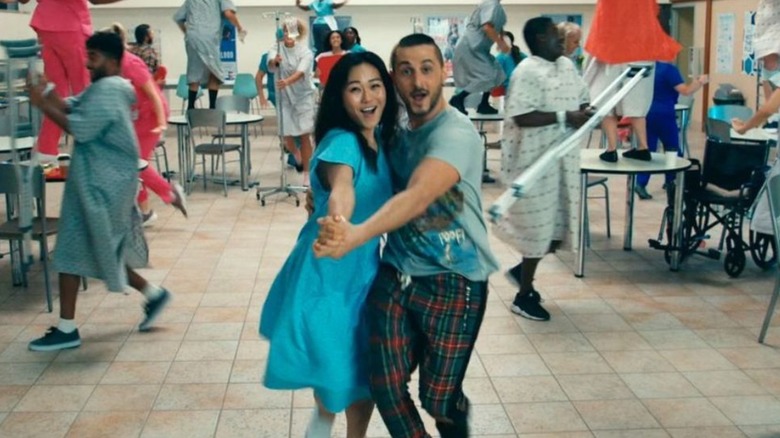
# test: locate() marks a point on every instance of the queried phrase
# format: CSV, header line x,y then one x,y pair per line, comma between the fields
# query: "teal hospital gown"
x,y
313,316
99,197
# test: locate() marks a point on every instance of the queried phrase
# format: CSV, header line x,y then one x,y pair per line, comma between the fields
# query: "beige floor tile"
x,y
749,410
556,435
697,360
252,350
217,331
576,363
122,398
219,314
617,341
652,320
673,339
55,398
768,379
148,351
558,324
20,373
727,337
91,352
247,371
706,320
603,322
104,424
257,423
545,417
136,373
242,396
489,419
686,412
724,383
706,432
513,365
37,424
72,373
168,331
761,431
180,424
10,395
615,414
199,372
207,350
500,325
480,390
594,387
17,352
504,344
528,389
660,385
632,433
192,396
751,358
560,342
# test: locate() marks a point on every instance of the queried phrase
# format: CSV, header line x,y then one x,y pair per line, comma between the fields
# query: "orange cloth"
x,y
625,31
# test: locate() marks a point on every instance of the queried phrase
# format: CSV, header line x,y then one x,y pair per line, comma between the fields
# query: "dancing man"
x,y
201,22
475,69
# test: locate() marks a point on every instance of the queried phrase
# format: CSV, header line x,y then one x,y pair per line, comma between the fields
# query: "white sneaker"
x,y
179,200
149,218
318,427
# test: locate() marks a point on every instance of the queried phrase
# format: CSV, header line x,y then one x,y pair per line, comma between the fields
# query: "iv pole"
x,y
284,187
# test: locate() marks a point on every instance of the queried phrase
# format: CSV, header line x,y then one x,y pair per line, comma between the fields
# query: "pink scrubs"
x,y
135,70
63,27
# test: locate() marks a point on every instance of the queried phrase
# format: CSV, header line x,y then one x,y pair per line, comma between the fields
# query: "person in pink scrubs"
x,y
63,27
151,110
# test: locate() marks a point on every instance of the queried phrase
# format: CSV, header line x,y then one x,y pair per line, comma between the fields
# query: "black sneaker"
x,y
486,109
459,103
638,154
514,274
609,156
528,306
641,191
55,339
152,310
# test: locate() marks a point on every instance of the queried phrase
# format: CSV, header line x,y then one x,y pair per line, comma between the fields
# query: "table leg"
x,y
583,206
180,143
245,152
684,132
629,226
677,221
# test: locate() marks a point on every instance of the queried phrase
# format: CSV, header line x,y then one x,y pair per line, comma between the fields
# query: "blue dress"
x,y
313,316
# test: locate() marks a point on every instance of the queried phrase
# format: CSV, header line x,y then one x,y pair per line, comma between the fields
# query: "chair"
x,y
728,112
245,86
594,181
208,118
773,192
719,130
182,91
160,149
232,104
42,226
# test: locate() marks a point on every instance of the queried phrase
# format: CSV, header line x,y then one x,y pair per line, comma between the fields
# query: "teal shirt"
x,y
451,236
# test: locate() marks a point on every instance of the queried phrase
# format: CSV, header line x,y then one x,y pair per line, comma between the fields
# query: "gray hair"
x,y
568,28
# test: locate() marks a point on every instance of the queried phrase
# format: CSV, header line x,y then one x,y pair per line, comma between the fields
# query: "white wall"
x,y
380,26
15,26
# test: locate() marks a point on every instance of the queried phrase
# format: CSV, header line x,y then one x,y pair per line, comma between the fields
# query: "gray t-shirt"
x,y
451,236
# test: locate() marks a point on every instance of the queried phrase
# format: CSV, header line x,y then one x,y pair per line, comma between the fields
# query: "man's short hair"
x,y
141,32
413,40
107,43
533,28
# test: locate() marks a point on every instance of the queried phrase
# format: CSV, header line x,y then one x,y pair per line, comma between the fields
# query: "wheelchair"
x,y
720,192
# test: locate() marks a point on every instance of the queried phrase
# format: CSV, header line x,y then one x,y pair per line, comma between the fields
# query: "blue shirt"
x,y
269,79
451,236
323,8
667,77
508,65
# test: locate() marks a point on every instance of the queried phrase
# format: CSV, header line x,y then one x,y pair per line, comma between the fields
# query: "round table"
x,y
185,153
591,163
480,120
23,144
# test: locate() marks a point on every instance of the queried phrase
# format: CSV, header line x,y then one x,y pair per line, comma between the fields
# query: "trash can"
x,y
727,94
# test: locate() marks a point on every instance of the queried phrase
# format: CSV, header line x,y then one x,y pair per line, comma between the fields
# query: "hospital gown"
x,y
296,100
475,69
95,225
203,21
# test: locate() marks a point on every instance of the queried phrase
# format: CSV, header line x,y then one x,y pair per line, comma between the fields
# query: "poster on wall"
x,y
227,51
446,31
724,62
9,6
749,66
320,32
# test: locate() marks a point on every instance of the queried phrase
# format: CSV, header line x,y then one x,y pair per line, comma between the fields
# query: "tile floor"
x,y
632,350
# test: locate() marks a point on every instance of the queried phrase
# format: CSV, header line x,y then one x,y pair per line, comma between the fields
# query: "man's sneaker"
x,y
528,306
638,154
179,200
149,218
55,339
514,275
152,309
486,109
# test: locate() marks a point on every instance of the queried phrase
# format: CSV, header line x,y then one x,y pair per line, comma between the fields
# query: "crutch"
x,y
284,187
568,141
21,59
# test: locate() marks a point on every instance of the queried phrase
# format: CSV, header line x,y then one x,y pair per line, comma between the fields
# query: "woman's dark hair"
x,y
357,35
141,32
326,42
332,113
515,51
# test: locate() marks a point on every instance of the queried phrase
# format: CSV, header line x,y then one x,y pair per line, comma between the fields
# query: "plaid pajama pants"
x,y
431,322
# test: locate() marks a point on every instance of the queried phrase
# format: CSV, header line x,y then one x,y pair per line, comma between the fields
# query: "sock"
x,y
485,98
213,99
66,325
318,427
191,97
152,291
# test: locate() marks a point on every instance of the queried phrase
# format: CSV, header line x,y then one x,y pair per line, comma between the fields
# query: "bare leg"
x,y
639,125
306,150
358,416
69,292
609,125
136,281
289,144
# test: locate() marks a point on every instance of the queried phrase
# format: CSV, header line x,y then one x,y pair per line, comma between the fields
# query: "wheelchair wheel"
x,y
734,262
762,249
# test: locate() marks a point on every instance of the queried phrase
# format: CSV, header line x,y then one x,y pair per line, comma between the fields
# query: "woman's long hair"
x,y
327,47
515,51
332,113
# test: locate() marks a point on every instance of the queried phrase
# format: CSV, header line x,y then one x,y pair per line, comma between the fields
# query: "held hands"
x,y
578,118
740,126
336,237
